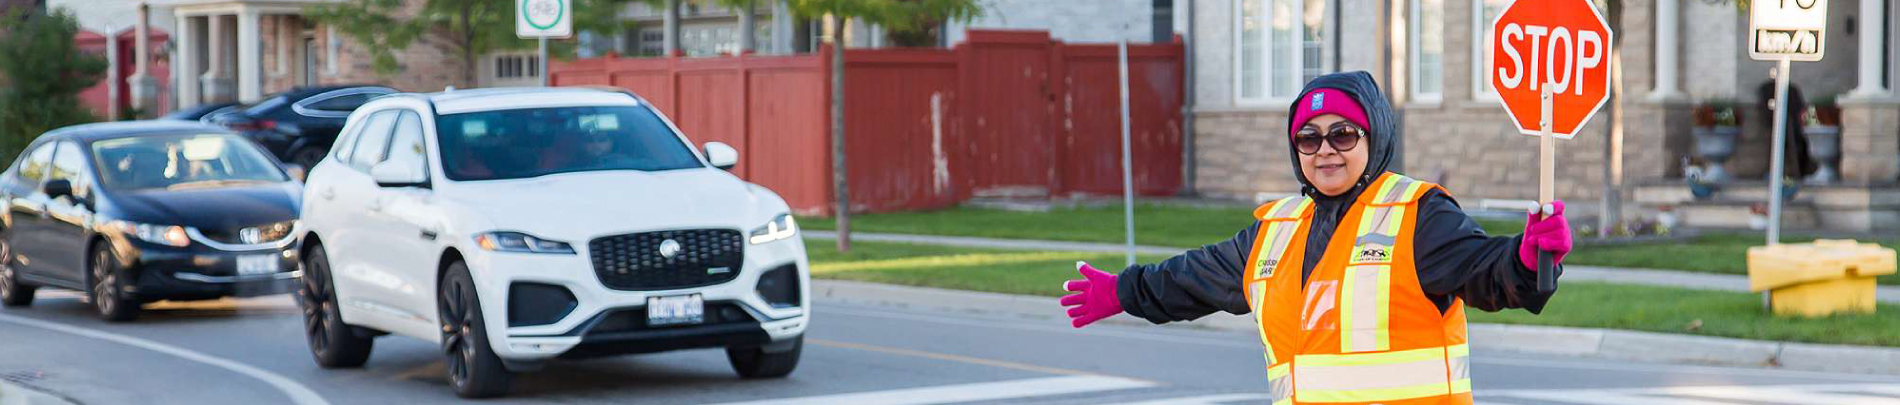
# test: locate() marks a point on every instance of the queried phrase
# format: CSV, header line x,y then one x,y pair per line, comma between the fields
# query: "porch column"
x,y
144,86
185,62
1873,46
748,27
217,78
1667,88
781,27
112,74
249,44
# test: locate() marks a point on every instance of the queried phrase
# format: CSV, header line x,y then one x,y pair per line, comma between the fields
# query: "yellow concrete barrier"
x,y
1821,278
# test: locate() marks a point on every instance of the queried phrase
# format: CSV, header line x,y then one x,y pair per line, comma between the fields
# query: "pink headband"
x,y
1326,101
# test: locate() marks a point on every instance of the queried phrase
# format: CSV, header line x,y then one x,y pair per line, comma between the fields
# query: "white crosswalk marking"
x,y
1842,394
946,394
1207,400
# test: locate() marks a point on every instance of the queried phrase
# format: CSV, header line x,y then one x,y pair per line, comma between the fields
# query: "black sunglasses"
x,y
1343,137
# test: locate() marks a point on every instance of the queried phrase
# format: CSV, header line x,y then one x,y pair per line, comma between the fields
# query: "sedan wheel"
x,y
333,343
108,288
12,292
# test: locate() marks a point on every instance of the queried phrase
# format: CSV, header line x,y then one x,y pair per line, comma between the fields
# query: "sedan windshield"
x,y
182,161
521,143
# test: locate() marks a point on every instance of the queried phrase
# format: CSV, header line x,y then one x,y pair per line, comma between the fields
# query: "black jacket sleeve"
x,y
1190,285
1456,259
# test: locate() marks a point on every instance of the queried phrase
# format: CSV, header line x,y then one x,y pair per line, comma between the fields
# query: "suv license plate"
x,y
675,310
249,265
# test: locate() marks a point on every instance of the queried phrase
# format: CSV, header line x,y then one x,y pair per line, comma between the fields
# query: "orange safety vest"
x,y
1360,330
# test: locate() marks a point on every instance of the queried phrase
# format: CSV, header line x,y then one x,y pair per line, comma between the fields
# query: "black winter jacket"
x,y
1455,258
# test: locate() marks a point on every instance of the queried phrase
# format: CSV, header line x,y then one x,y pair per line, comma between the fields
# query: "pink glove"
x,y
1094,298
1549,234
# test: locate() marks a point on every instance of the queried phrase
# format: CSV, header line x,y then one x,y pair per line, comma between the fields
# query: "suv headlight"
x,y
168,235
520,243
780,228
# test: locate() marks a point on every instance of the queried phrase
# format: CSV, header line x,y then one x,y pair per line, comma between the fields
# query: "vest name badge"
x,y
1372,253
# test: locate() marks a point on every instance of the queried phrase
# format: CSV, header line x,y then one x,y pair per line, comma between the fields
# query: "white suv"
x,y
515,226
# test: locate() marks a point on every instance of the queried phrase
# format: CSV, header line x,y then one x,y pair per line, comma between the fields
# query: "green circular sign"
x,y
534,11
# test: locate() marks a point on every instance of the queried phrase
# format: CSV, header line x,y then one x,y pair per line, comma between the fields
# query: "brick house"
x,y
1252,56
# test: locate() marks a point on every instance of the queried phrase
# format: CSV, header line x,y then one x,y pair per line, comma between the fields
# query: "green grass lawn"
x,y
1155,225
1591,305
1187,227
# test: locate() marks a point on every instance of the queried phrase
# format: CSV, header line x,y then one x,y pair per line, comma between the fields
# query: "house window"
x,y
1483,12
1280,47
517,66
1428,50
652,42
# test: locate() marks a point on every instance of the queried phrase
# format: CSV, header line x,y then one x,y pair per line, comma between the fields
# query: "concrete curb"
x,y
1566,341
993,243
14,394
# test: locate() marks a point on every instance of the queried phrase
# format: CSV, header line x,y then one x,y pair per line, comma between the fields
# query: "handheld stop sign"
x,y
1550,63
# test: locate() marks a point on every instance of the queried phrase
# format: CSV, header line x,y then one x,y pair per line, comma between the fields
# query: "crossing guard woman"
x,y
1359,284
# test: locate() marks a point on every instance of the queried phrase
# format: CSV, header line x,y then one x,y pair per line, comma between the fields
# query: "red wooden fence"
x,y
1009,112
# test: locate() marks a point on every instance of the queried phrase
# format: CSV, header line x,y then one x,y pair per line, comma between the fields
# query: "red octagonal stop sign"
x,y
1563,45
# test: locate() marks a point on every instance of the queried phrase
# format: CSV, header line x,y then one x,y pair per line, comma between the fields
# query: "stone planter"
x,y
1715,145
1824,145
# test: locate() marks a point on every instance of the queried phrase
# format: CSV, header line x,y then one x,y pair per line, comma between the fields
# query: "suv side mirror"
x,y
393,173
58,188
296,171
721,155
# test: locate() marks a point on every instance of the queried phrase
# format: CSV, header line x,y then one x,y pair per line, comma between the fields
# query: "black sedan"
x,y
298,126
137,212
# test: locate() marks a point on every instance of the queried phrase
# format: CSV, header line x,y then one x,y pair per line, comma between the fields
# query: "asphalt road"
x,y
252,352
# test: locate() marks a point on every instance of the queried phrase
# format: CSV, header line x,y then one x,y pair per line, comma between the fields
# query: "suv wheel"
x,y
108,288
333,343
474,369
12,293
755,362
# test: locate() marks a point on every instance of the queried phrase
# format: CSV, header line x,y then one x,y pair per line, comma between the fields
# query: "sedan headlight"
x,y
169,235
782,227
520,243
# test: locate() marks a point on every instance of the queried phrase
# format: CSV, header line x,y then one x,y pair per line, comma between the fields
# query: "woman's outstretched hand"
x,y
1094,298
1545,233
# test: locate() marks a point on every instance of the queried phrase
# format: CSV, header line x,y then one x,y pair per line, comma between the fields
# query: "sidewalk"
x,y
1663,278
1546,340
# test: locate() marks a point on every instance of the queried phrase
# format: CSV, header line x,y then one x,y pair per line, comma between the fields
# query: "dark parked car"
x,y
298,126
201,111
137,212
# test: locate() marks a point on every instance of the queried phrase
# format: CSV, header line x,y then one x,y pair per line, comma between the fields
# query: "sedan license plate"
x,y
675,310
250,265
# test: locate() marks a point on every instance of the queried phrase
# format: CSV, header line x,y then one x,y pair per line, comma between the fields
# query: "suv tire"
x,y
474,369
333,343
755,362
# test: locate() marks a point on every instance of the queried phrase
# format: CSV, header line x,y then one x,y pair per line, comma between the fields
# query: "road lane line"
x,y
946,394
1206,400
1593,397
298,393
1053,327
1775,394
951,357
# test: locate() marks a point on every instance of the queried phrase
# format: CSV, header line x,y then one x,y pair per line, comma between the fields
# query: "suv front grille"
x,y
635,262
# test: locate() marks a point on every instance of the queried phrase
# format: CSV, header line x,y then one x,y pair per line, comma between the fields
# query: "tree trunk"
x,y
468,49
670,25
843,206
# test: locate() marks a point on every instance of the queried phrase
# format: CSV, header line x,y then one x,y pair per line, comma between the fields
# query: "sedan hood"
x,y
212,208
579,206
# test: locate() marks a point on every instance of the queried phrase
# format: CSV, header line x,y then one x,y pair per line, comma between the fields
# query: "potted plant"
x,y
1823,129
1718,124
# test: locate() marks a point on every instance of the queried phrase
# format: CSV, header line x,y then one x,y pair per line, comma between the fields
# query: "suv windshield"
x,y
521,143
182,161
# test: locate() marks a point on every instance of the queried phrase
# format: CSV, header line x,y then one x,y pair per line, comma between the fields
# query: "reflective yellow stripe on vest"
x,y
1280,385
1386,376
1366,300
1279,232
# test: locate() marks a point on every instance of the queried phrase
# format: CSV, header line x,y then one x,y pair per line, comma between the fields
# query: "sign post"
x,y
1550,65
1784,31
542,19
